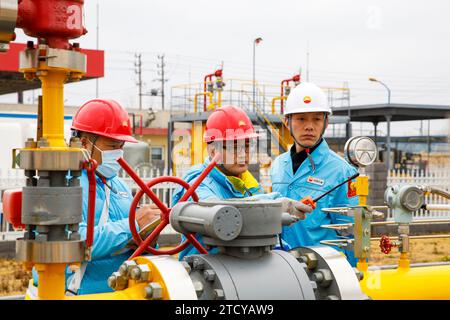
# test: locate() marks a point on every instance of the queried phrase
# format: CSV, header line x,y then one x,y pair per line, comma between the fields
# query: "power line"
x,y
161,65
138,71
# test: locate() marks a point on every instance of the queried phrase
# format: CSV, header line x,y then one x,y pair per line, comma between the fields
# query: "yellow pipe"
x,y
208,94
362,191
415,283
52,281
198,150
53,106
362,265
219,98
134,292
276,99
403,261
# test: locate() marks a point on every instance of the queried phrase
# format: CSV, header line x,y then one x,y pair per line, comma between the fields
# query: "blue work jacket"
x,y
330,170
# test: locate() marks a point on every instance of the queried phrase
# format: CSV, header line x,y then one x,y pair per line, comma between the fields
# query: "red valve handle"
x,y
143,245
385,244
90,166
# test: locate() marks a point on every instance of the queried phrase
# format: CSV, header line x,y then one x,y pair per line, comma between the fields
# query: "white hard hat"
x,y
306,97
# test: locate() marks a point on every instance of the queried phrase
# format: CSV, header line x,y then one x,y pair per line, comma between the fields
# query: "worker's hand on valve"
x,y
147,214
296,208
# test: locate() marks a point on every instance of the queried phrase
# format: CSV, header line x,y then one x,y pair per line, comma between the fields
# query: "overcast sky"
x,y
402,43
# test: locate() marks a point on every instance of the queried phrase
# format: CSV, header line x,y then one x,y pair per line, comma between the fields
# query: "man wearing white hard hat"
x,y
310,168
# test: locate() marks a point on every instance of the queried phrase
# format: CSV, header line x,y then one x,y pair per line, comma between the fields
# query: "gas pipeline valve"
x,y
386,244
53,20
246,256
245,233
287,90
219,84
404,200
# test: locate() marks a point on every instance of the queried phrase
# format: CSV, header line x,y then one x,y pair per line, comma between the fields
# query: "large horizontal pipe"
x,y
421,283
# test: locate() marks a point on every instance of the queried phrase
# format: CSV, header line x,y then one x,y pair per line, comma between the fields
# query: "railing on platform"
x,y
235,92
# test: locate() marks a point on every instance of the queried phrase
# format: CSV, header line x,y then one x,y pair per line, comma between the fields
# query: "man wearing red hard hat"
x,y
103,126
229,131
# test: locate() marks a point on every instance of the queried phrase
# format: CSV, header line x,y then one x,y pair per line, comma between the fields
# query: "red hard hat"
x,y
229,123
106,118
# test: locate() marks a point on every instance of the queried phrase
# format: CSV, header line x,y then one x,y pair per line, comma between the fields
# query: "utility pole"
x,y
161,65
255,43
138,71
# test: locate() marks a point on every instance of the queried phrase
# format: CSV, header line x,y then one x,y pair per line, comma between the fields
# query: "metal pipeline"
x,y
210,96
217,73
295,78
281,98
343,226
431,236
436,207
440,192
339,242
406,283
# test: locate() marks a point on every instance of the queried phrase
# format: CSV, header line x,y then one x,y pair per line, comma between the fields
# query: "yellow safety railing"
x,y
206,94
274,100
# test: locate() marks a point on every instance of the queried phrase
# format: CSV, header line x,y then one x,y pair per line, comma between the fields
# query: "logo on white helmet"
x,y
306,99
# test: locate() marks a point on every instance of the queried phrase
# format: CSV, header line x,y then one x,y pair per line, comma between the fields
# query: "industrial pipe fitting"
x,y
223,222
404,200
440,192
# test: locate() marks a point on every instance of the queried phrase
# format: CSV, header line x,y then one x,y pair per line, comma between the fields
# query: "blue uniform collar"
x,y
318,155
109,181
221,178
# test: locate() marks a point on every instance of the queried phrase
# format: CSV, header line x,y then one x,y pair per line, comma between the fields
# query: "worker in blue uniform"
x,y
310,168
229,131
103,127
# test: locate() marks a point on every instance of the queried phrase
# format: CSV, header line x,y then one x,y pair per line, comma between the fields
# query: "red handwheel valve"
x,y
385,244
144,245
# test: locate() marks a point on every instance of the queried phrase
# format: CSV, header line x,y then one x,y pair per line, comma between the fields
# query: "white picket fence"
x,y
164,191
439,178
12,178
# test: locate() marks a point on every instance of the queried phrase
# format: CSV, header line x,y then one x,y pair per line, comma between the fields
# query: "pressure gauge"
x,y
361,151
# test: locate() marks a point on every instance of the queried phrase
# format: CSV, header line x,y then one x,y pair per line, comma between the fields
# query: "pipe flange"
x,y
331,272
50,251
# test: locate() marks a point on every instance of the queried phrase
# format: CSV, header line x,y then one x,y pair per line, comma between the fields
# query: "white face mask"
x,y
109,166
